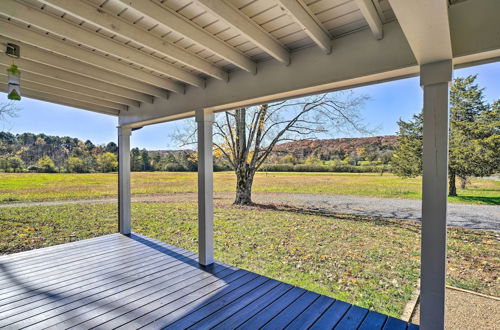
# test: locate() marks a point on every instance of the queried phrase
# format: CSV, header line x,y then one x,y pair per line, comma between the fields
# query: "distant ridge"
x,y
303,148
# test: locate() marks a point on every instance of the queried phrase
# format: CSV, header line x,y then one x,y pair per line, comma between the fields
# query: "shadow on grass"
x,y
489,200
411,225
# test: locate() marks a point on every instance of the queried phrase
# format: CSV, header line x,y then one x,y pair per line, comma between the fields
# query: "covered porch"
x,y
148,62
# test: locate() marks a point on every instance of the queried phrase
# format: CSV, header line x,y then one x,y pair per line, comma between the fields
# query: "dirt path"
x,y
486,217
467,310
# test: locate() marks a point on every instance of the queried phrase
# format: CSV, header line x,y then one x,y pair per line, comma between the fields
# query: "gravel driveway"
x,y
486,217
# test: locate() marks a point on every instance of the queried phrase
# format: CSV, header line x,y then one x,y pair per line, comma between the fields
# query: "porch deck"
x,y
115,281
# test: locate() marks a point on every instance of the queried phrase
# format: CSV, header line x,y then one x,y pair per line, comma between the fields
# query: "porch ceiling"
x,y
155,60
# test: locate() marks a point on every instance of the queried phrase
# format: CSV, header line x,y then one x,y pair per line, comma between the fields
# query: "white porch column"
x,y
205,188
124,180
434,79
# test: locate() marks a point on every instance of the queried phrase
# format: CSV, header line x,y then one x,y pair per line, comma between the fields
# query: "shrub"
x,y
341,168
46,165
76,165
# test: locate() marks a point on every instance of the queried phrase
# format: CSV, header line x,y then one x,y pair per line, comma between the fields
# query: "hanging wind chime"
x,y
13,74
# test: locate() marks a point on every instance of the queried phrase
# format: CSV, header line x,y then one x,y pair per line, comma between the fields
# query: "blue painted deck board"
x,y
115,281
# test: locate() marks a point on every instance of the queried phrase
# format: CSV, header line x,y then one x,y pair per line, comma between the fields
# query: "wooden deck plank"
x,y
140,307
130,243
26,255
183,298
104,247
312,313
55,300
352,319
116,281
331,316
246,312
31,285
373,320
177,318
78,269
36,255
183,277
218,315
61,261
186,307
63,288
287,315
268,313
125,302
395,324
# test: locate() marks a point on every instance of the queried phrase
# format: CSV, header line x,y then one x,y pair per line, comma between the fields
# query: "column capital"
x,y
204,116
436,73
124,131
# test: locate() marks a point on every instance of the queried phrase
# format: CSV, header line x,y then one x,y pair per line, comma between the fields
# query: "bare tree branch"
x,y
8,110
246,136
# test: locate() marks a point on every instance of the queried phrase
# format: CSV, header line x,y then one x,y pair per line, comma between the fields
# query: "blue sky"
x,y
388,102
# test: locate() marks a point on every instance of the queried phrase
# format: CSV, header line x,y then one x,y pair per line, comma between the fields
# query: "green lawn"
x,y
369,262
38,187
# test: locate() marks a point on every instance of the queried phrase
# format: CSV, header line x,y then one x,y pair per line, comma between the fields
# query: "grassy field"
x,y
38,187
372,263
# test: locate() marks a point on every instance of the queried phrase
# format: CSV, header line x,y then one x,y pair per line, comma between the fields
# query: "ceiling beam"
x,y
370,14
41,87
62,75
239,21
125,76
358,59
67,30
113,24
426,26
296,9
175,22
34,94
48,81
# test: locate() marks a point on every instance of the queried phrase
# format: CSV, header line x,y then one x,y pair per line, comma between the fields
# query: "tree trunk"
x,y
452,188
463,182
244,181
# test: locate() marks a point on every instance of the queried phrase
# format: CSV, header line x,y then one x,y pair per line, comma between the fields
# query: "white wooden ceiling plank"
x,y
337,11
178,23
66,85
247,27
67,30
108,67
136,37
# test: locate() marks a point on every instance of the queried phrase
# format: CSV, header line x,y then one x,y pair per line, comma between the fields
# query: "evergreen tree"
x,y
135,160
146,163
112,147
407,159
474,138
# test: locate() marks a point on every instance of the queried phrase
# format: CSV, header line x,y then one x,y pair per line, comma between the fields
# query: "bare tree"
x,y
7,109
247,136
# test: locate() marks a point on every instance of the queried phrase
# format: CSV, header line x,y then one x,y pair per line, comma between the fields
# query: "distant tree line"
x,y
367,157
28,152
50,154
43,153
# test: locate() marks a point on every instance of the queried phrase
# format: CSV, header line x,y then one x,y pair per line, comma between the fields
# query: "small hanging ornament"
x,y
14,83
